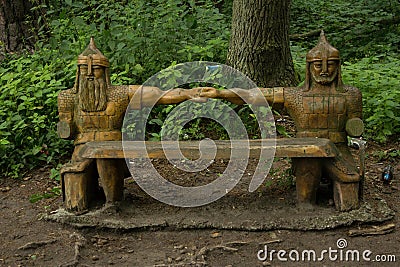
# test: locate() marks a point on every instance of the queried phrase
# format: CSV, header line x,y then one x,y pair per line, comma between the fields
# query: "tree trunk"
x,y
259,45
15,30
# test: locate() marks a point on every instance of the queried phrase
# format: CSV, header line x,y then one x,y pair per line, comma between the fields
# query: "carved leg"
x,y
112,178
343,172
79,189
308,175
345,195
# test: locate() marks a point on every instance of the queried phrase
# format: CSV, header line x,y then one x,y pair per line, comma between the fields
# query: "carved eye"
x,y
331,62
83,70
317,65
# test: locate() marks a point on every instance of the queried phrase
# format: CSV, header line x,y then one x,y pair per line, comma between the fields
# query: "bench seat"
x,y
285,147
80,181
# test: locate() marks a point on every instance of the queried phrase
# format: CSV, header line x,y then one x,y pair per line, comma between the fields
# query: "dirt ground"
x,y
28,240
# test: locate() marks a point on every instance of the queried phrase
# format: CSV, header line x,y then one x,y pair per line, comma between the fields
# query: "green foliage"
x,y
388,154
378,78
56,191
280,178
142,37
55,173
359,28
28,112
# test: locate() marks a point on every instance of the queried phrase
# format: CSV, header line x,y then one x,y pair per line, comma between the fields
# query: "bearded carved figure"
x,y
93,110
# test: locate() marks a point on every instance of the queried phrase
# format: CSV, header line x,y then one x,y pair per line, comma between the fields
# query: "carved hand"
x,y
354,127
209,92
64,130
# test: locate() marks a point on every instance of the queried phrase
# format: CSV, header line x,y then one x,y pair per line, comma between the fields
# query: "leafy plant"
x,y
359,28
28,112
139,37
378,78
384,155
142,37
56,191
55,173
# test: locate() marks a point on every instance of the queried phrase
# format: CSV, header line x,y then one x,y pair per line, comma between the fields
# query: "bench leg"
x,y
345,195
111,173
308,175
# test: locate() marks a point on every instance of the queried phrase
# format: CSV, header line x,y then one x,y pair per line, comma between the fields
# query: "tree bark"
x,y
259,44
15,28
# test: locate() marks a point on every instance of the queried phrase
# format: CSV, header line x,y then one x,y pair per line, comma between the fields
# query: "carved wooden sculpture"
x,y
326,108
93,110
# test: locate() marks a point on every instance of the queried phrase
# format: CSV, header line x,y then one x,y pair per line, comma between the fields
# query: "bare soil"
x,y
29,240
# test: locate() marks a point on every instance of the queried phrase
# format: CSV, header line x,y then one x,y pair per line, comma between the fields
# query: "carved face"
x,y
92,88
324,71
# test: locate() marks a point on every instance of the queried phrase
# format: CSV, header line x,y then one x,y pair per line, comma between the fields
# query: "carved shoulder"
x,y
353,92
292,96
118,93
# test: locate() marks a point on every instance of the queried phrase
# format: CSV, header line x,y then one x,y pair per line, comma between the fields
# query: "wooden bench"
x,y
319,109
285,147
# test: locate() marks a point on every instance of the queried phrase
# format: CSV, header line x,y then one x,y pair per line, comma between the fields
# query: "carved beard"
x,y
92,94
324,80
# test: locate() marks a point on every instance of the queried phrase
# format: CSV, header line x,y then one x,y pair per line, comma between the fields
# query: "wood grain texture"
x,y
285,147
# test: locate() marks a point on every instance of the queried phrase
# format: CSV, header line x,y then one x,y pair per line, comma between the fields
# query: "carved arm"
x,y
239,96
65,127
354,124
142,96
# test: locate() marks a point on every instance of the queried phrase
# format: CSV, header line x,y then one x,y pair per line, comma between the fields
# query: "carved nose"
x,y
324,71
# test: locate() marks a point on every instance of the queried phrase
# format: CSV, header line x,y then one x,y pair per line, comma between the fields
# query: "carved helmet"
x,y
92,56
323,51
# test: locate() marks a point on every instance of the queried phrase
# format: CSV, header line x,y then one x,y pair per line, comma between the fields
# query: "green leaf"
x,y
35,198
78,21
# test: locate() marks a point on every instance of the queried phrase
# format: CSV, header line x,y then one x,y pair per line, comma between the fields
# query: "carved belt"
x,y
98,136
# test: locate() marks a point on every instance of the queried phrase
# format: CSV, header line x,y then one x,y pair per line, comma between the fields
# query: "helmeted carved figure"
x,y
93,110
326,108
322,108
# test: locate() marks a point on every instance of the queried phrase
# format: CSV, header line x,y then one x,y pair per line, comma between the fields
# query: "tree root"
x,y
33,245
270,242
375,230
79,243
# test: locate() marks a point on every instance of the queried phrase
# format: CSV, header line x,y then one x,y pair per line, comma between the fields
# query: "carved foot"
x,y
345,195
